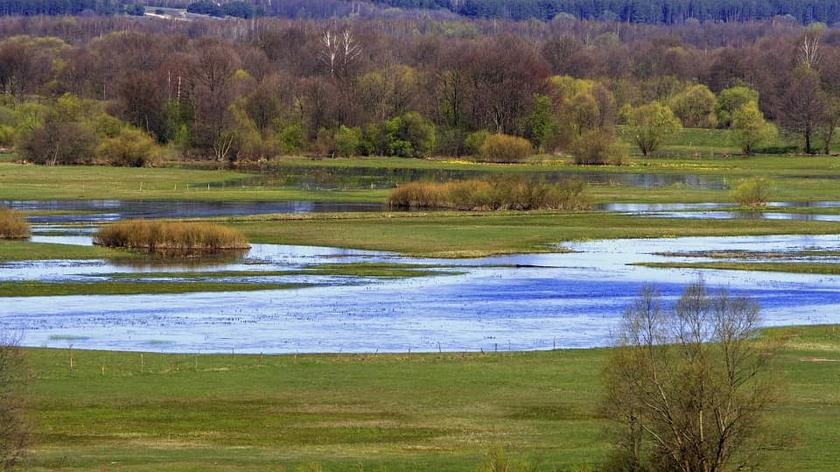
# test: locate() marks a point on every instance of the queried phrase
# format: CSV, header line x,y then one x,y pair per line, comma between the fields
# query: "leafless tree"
x,y
14,430
339,51
687,387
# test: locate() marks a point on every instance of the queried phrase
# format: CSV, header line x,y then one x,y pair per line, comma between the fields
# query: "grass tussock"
x,y
171,237
13,225
500,193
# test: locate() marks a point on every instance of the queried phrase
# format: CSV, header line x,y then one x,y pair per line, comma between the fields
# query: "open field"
x,y
458,234
124,411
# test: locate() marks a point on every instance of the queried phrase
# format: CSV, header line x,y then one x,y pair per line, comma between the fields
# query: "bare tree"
x,y
687,386
339,51
14,430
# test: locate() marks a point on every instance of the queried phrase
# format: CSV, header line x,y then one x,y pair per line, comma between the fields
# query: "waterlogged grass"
x,y
441,412
29,182
30,288
350,269
457,234
25,250
791,267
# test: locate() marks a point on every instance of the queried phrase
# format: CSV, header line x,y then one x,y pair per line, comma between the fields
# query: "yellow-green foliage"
x,y
13,225
500,193
505,148
130,148
170,237
752,193
598,147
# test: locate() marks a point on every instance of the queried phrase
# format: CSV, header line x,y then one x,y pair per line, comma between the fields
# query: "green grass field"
x,y
441,412
453,234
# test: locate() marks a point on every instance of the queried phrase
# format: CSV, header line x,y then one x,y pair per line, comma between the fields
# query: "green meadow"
x,y
396,412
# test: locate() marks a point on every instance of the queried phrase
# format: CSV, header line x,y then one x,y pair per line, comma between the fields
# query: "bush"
x,y
170,237
598,147
505,148
58,142
407,135
498,193
475,141
130,148
347,141
752,193
13,225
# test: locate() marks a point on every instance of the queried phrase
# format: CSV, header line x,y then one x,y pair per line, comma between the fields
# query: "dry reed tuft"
x,y
171,237
499,193
13,225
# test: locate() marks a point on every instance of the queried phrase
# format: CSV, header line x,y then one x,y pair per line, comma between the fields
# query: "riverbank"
x,y
406,412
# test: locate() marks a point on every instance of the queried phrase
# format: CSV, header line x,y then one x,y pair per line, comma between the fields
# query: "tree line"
x,y
259,89
627,11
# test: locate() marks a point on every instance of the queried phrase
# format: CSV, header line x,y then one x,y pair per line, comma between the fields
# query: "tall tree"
x,y
804,106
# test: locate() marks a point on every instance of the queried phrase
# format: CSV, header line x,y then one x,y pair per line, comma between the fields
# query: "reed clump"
x,y
13,224
498,193
171,238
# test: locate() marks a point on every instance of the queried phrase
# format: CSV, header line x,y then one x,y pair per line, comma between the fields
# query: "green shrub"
x,y
505,148
752,193
130,148
598,147
408,135
347,141
497,193
13,225
292,138
475,141
170,237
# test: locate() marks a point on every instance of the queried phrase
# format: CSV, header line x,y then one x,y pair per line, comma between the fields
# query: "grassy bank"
x,y
798,177
25,250
792,267
121,411
454,234
30,288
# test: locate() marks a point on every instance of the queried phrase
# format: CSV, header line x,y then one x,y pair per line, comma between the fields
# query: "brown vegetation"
x,y
171,237
13,225
508,193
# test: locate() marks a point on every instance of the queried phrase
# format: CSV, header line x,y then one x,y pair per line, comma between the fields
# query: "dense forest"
x,y
627,11
133,89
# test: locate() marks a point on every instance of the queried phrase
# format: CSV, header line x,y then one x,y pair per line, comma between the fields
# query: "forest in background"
x,y
627,11
133,89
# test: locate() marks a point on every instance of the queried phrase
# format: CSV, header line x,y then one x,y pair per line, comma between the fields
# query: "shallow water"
x,y
519,302
320,178
92,212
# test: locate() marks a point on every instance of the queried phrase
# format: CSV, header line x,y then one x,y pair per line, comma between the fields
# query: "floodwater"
x,y
520,302
333,178
89,212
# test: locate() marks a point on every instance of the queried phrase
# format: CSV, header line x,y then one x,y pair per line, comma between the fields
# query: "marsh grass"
x,y
498,193
13,225
171,238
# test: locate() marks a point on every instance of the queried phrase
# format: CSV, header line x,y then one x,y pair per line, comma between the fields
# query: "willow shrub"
x,y
170,237
752,193
13,225
499,193
505,148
